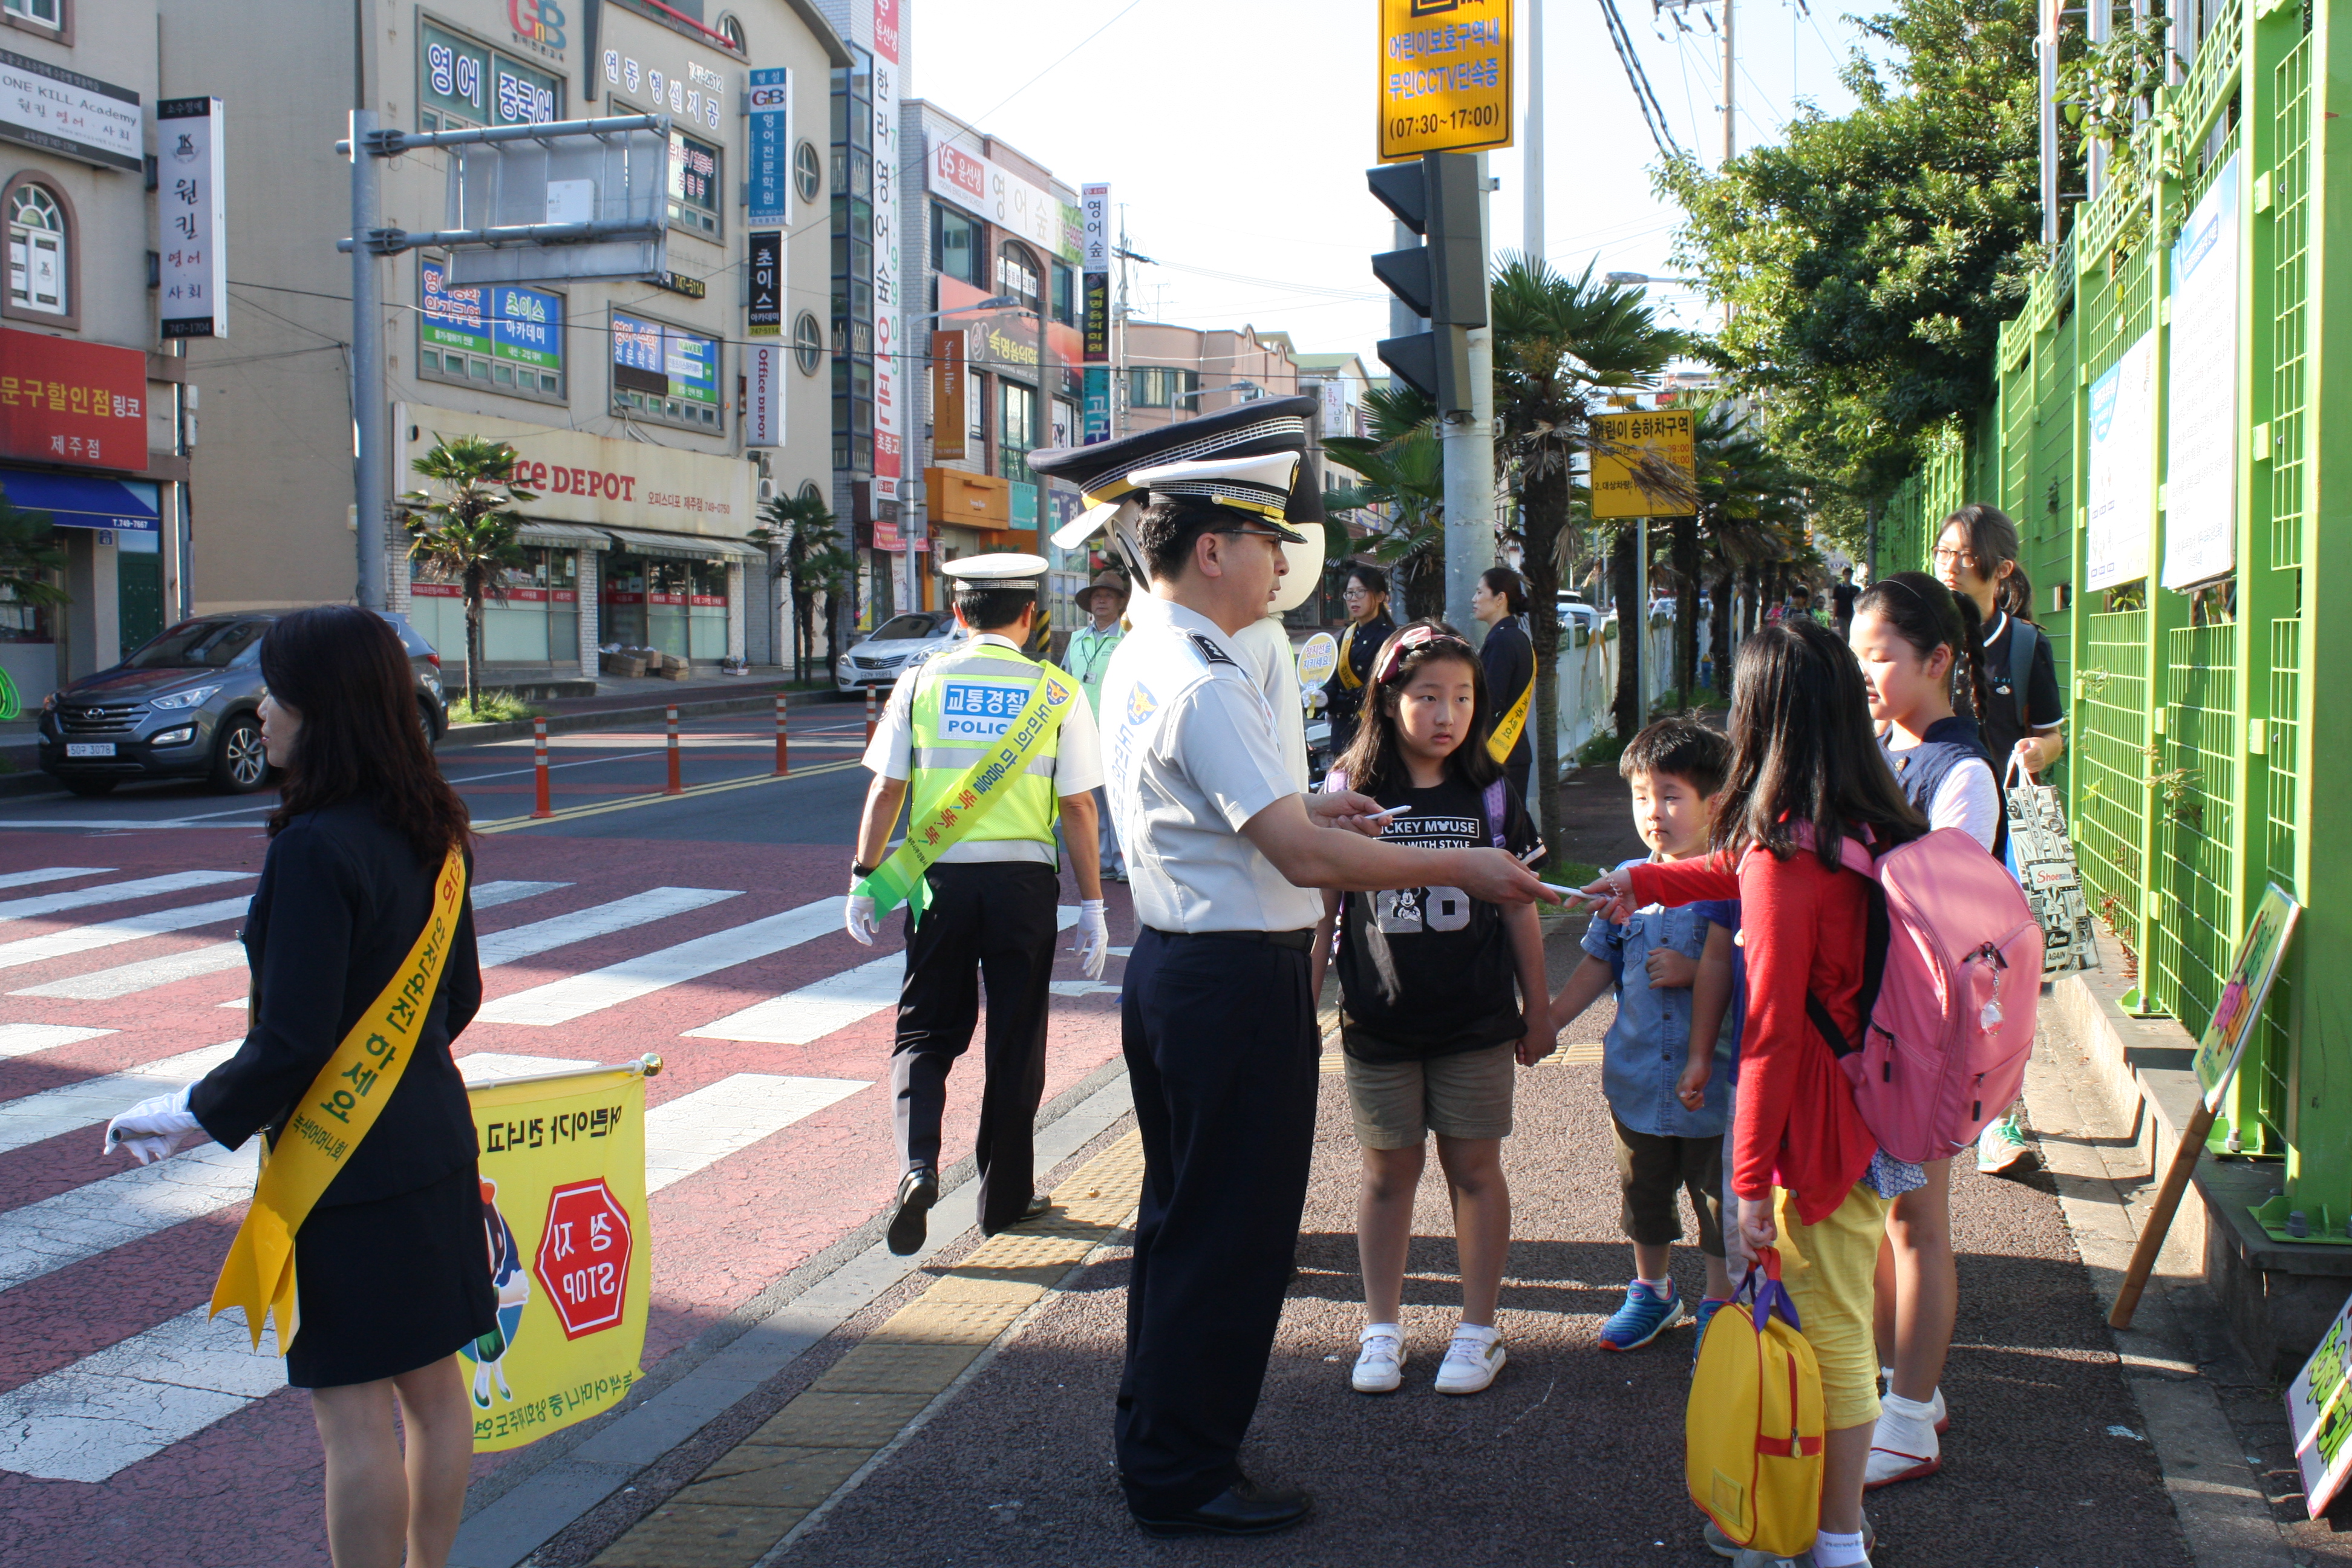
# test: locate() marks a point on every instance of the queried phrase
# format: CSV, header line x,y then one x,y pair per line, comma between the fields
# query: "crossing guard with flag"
x,y
988,748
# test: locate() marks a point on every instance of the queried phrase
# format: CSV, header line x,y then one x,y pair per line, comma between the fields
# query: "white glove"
x,y
1092,941
857,916
153,1128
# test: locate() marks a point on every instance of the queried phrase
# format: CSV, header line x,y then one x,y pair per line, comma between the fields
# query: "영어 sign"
x,y
1445,76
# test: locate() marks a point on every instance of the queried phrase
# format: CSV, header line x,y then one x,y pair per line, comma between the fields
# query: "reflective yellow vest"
x,y
964,702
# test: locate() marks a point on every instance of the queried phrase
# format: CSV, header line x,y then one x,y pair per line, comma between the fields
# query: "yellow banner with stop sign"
x,y
567,1244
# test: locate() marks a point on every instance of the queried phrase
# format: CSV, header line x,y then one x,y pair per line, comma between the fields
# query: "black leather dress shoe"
x,y
1245,1507
918,1189
1036,1208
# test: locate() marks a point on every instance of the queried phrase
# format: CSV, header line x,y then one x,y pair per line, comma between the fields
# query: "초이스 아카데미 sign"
x,y
68,402
191,218
1445,73
66,111
497,320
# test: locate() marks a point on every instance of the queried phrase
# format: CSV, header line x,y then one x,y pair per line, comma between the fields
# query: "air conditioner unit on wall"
x,y
767,491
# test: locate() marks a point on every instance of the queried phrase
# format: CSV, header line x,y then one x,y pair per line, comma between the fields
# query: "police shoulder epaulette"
x,y
1210,651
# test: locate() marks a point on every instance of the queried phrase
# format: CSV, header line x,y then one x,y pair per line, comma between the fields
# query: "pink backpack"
x,y
1951,980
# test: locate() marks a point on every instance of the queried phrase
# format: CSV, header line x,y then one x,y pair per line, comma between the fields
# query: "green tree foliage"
x,y
1562,344
1869,259
465,528
814,562
30,556
1401,475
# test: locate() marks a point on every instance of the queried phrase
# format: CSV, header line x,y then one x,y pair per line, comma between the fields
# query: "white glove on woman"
x,y
1092,942
857,916
153,1128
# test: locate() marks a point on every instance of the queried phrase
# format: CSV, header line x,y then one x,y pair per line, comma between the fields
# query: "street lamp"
x,y
1639,280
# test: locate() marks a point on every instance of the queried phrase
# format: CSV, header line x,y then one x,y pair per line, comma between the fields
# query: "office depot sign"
x,y
578,478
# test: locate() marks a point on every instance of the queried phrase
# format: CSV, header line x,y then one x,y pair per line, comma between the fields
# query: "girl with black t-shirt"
x,y
1429,1018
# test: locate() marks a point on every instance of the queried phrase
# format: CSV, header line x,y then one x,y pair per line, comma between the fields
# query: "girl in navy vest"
x,y
1914,638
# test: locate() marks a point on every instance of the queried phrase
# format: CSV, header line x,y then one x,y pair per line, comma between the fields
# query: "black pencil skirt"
x,y
387,1287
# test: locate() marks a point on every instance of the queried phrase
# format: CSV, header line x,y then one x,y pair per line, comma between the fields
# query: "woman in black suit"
x,y
1501,598
391,1264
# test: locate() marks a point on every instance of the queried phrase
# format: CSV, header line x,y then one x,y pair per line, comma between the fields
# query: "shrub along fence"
x,y
2160,431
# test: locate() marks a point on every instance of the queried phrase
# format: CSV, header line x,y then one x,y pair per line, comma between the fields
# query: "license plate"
x,y
89,748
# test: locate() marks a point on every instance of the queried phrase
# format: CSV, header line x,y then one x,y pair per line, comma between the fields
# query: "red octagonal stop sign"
x,y
582,1261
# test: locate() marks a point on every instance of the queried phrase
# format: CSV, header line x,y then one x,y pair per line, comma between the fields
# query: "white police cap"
x,y
998,570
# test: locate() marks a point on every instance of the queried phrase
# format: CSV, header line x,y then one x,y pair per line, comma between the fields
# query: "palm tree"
x,y
1751,509
813,562
1558,341
1403,473
468,531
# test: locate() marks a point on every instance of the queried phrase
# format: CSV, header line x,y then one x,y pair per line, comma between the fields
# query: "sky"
x,y
1235,134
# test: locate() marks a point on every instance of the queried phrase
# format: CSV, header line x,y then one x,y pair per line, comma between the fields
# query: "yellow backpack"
x,y
1752,1433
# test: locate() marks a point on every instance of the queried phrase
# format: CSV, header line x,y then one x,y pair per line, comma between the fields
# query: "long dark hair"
x,y
1374,761
1803,751
1992,539
1508,584
1928,616
345,675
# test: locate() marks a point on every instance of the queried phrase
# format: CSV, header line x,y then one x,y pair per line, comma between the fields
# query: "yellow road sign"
x,y
1665,438
1445,76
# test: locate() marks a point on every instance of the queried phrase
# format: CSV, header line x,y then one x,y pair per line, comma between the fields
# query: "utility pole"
x,y
1468,441
1532,159
2050,225
1731,61
371,489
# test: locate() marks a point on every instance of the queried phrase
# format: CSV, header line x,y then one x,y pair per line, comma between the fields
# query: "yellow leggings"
x,y
1828,1269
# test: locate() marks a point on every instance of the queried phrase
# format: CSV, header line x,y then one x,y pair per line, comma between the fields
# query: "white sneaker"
x,y
1935,1402
1380,1365
1471,1361
1902,1446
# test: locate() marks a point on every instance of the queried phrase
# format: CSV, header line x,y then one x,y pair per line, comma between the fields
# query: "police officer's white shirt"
x,y
1077,761
1194,753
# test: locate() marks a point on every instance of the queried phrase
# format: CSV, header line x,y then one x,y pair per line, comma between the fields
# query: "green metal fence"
x,y
2191,774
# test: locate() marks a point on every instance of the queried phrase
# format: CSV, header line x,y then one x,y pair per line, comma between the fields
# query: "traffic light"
x,y
1442,279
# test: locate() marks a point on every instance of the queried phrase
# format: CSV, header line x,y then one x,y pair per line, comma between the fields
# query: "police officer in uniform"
x,y
989,898
1224,853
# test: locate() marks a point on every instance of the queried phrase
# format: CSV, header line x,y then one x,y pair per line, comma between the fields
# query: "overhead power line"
x,y
1653,114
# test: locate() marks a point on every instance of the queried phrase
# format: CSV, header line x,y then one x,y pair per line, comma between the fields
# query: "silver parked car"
x,y
895,646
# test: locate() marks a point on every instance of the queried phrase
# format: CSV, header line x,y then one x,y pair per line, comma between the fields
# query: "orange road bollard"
x,y
783,757
870,712
677,786
539,767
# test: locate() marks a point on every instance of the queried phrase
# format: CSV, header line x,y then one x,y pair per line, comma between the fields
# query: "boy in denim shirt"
x,y
1672,972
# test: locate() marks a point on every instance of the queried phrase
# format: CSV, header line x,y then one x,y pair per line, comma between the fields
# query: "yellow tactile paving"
x,y
741,1506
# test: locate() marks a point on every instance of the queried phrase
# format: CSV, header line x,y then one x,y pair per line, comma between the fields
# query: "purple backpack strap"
x,y
1498,807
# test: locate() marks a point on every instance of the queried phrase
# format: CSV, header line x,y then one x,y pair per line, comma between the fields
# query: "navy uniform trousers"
x,y
1221,1046
992,921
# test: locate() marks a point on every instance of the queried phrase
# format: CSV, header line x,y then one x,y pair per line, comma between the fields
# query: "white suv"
x,y
895,646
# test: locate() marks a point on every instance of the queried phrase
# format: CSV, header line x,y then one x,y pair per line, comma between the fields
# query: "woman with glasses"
x,y
1369,626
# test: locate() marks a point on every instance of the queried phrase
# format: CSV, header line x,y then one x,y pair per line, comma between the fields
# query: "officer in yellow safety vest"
x,y
990,744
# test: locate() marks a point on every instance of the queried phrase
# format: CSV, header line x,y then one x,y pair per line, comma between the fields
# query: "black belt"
x,y
1296,941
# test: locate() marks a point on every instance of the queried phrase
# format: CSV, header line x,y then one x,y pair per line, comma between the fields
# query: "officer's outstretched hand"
x,y
857,915
1346,808
1092,941
154,1129
1495,875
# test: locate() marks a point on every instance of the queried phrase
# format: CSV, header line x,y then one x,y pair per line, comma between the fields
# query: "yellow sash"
x,y
1348,678
1506,733
330,1121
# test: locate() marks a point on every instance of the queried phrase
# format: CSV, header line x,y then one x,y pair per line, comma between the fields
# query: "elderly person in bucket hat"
x,y
1104,601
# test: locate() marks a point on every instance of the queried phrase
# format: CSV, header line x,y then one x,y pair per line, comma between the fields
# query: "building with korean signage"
x,y
986,221
91,395
655,416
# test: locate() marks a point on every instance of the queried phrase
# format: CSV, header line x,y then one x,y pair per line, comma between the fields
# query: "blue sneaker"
x,y
1708,1306
1641,1319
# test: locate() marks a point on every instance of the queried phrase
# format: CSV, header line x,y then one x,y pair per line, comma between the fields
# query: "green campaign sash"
x,y
900,880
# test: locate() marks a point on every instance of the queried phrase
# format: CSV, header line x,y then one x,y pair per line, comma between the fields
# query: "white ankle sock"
x,y
1916,1412
1664,1290
1832,1549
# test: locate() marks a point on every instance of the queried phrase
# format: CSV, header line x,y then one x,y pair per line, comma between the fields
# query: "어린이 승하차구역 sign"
x,y
1445,74
1662,437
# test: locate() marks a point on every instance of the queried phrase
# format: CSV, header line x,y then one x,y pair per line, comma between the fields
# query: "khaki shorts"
x,y
1465,1095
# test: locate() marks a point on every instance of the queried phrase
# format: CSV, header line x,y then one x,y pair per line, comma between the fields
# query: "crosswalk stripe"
x,y
24,1039
50,873
107,1411
488,1066
34,1117
124,979
816,1010
112,933
114,892
597,919
576,995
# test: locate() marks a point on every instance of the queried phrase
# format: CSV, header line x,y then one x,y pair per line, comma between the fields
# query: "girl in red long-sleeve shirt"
x,y
1806,772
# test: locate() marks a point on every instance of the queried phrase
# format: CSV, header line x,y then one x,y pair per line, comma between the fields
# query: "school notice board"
x,y
2200,469
2319,1414
2223,1044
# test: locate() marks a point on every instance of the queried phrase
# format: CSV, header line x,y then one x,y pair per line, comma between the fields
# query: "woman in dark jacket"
x,y
391,1266
1369,626
1509,659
